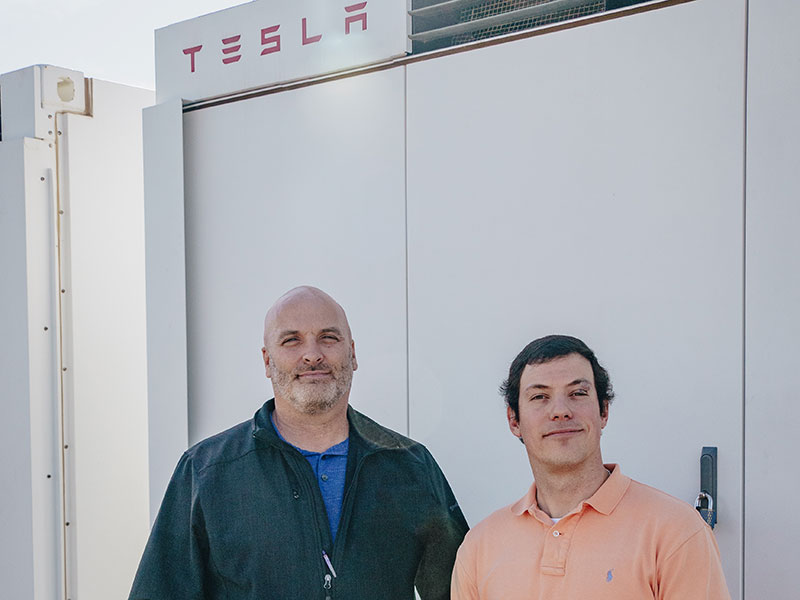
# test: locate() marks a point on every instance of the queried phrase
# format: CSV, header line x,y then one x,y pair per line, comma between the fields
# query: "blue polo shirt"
x,y
330,468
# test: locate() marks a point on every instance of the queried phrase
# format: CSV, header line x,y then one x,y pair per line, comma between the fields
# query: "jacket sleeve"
x,y
445,529
173,566
693,571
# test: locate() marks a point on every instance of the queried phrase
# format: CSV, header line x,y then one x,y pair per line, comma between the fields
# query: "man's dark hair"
x,y
549,348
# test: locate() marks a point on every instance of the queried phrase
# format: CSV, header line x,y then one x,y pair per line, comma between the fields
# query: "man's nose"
x,y
560,408
312,354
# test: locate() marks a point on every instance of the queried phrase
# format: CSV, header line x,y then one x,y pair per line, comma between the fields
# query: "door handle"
x,y
707,498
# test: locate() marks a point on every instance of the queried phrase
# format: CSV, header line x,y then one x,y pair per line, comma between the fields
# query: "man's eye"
x,y
330,338
288,341
538,397
580,393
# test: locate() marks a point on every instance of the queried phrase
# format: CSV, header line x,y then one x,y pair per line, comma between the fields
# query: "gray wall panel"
x,y
772,299
165,293
302,187
585,182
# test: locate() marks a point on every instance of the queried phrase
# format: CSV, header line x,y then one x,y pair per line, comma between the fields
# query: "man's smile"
x,y
561,433
314,375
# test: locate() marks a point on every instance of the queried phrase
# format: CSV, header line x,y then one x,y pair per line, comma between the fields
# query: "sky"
x,y
105,39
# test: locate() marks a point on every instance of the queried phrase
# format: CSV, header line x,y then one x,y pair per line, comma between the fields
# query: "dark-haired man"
x,y
310,499
583,530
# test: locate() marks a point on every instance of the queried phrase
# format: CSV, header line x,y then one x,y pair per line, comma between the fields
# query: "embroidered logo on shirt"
x,y
609,575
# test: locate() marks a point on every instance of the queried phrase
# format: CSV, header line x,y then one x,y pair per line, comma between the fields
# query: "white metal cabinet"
x,y
586,182
301,187
74,432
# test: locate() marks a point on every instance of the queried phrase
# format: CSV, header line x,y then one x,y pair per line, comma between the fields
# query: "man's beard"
x,y
313,397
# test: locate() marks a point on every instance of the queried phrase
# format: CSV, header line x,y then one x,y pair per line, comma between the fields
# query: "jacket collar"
x,y
363,429
604,500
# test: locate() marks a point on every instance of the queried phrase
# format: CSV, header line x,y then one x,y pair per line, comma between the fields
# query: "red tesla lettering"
x,y
191,52
231,49
306,39
270,39
362,17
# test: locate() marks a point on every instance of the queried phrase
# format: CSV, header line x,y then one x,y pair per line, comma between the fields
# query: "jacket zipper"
x,y
326,581
338,542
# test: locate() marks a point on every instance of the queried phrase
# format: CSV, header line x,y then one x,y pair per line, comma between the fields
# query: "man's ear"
x,y
513,422
266,360
604,414
353,354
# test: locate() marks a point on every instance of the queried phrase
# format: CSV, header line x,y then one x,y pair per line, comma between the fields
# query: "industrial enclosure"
x,y
629,177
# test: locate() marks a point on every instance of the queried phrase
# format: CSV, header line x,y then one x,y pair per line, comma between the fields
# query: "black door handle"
x,y
707,500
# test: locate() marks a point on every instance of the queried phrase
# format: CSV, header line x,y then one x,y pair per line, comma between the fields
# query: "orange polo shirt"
x,y
628,541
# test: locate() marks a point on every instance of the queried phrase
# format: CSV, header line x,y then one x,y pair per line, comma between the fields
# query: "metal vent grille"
x,y
499,6
439,24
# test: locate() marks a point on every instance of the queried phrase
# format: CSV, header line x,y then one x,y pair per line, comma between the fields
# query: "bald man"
x,y
310,499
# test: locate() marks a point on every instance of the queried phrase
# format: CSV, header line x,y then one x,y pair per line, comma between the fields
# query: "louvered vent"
x,y
439,24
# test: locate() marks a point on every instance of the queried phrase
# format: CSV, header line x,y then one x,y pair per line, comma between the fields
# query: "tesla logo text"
x,y
355,19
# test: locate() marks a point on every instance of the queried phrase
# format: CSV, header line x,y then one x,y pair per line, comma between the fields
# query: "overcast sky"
x,y
105,39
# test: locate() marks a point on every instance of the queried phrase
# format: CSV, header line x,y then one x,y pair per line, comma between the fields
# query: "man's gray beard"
x,y
316,398
313,398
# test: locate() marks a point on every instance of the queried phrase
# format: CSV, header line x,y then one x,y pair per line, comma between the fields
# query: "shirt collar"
x,y
364,432
339,449
604,500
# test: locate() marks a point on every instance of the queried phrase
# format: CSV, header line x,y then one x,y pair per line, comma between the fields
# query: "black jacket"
x,y
243,518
